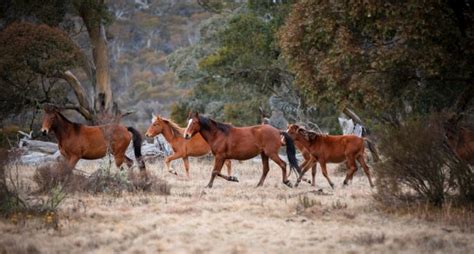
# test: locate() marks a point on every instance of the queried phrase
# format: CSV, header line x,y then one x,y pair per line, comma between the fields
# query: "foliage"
x,y
419,164
386,58
33,57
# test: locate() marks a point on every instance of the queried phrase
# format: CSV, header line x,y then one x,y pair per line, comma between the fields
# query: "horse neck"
x,y
62,128
168,134
209,134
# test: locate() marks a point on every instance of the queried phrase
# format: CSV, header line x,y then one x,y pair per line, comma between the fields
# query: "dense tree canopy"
x,y
33,60
388,58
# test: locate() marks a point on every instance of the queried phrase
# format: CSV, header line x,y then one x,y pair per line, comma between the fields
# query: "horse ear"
x,y
50,108
153,117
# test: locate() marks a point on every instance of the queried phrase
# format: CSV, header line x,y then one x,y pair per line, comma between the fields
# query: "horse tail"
x,y
372,149
291,152
137,146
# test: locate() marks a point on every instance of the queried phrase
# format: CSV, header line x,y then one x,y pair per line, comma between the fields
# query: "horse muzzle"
x,y
44,131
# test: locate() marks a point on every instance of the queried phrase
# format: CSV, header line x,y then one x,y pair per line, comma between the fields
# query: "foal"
x,y
182,148
332,149
242,143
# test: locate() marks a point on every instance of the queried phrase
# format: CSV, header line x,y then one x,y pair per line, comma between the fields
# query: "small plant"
x,y
337,205
305,203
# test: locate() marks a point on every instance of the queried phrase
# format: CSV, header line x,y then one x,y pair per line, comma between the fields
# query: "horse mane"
x,y
75,126
309,135
175,129
206,124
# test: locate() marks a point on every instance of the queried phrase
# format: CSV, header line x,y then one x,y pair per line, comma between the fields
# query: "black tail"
x,y
137,146
291,153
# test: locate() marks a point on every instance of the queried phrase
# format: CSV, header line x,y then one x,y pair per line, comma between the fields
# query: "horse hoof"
x,y
233,179
288,183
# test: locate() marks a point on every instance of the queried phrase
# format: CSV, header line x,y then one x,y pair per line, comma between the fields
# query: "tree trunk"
x,y
95,27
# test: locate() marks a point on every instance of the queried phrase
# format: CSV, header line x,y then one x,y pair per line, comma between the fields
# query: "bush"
x,y
419,165
18,203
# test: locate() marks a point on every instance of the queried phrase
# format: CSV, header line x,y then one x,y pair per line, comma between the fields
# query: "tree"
x,y
93,15
34,58
236,67
389,59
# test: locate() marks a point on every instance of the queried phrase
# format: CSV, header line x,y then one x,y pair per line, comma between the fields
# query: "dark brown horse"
x,y
461,141
242,143
78,141
332,149
182,148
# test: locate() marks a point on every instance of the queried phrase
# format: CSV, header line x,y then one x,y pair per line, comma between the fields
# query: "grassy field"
x,y
234,218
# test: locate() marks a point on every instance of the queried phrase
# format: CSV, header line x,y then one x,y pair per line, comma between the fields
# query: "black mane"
x,y
75,126
206,124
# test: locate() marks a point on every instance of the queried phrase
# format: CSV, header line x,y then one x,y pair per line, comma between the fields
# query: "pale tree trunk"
x,y
103,92
96,30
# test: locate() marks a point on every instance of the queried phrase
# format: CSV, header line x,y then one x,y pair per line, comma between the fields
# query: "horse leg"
x,y
218,163
71,163
119,161
229,167
366,169
128,161
186,166
351,169
266,168
313,174
305,169
282,164
325,173
168,161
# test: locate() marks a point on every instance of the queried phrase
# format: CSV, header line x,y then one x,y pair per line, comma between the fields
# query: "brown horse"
x,y
242,143
332,149
78,141
461,141
182,148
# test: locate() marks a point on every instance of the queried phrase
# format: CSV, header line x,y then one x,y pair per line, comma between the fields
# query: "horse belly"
x,y
95,150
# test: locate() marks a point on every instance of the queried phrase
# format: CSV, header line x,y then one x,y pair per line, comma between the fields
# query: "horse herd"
x,y
203,135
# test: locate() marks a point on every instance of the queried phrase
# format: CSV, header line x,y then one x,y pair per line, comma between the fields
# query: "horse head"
x,y
155,128
296,132
194,125
49,118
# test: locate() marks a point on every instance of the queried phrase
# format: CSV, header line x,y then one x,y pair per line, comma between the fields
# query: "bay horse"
x,y
331,149
242,143
78,141
182,148
461,141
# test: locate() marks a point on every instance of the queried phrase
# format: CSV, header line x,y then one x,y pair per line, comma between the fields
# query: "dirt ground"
x,y
233,218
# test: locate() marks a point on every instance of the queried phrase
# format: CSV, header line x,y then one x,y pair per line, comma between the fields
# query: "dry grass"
x,y
237,218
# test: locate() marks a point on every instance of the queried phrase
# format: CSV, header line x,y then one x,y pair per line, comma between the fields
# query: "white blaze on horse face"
x,y
190,121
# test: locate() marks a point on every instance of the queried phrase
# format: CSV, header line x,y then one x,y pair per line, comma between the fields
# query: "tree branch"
x,y
84,105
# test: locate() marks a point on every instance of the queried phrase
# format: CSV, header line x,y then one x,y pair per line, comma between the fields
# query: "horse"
x,y
461,141
182,148
332,149
242,143
78,141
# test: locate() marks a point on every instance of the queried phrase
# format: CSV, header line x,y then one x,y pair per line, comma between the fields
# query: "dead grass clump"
x,y
149,183
51,175
450,215
369,239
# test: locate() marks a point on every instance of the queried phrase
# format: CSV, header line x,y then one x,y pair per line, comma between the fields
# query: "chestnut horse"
x,y
242,143
78,141
332,149
461,141
182,148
